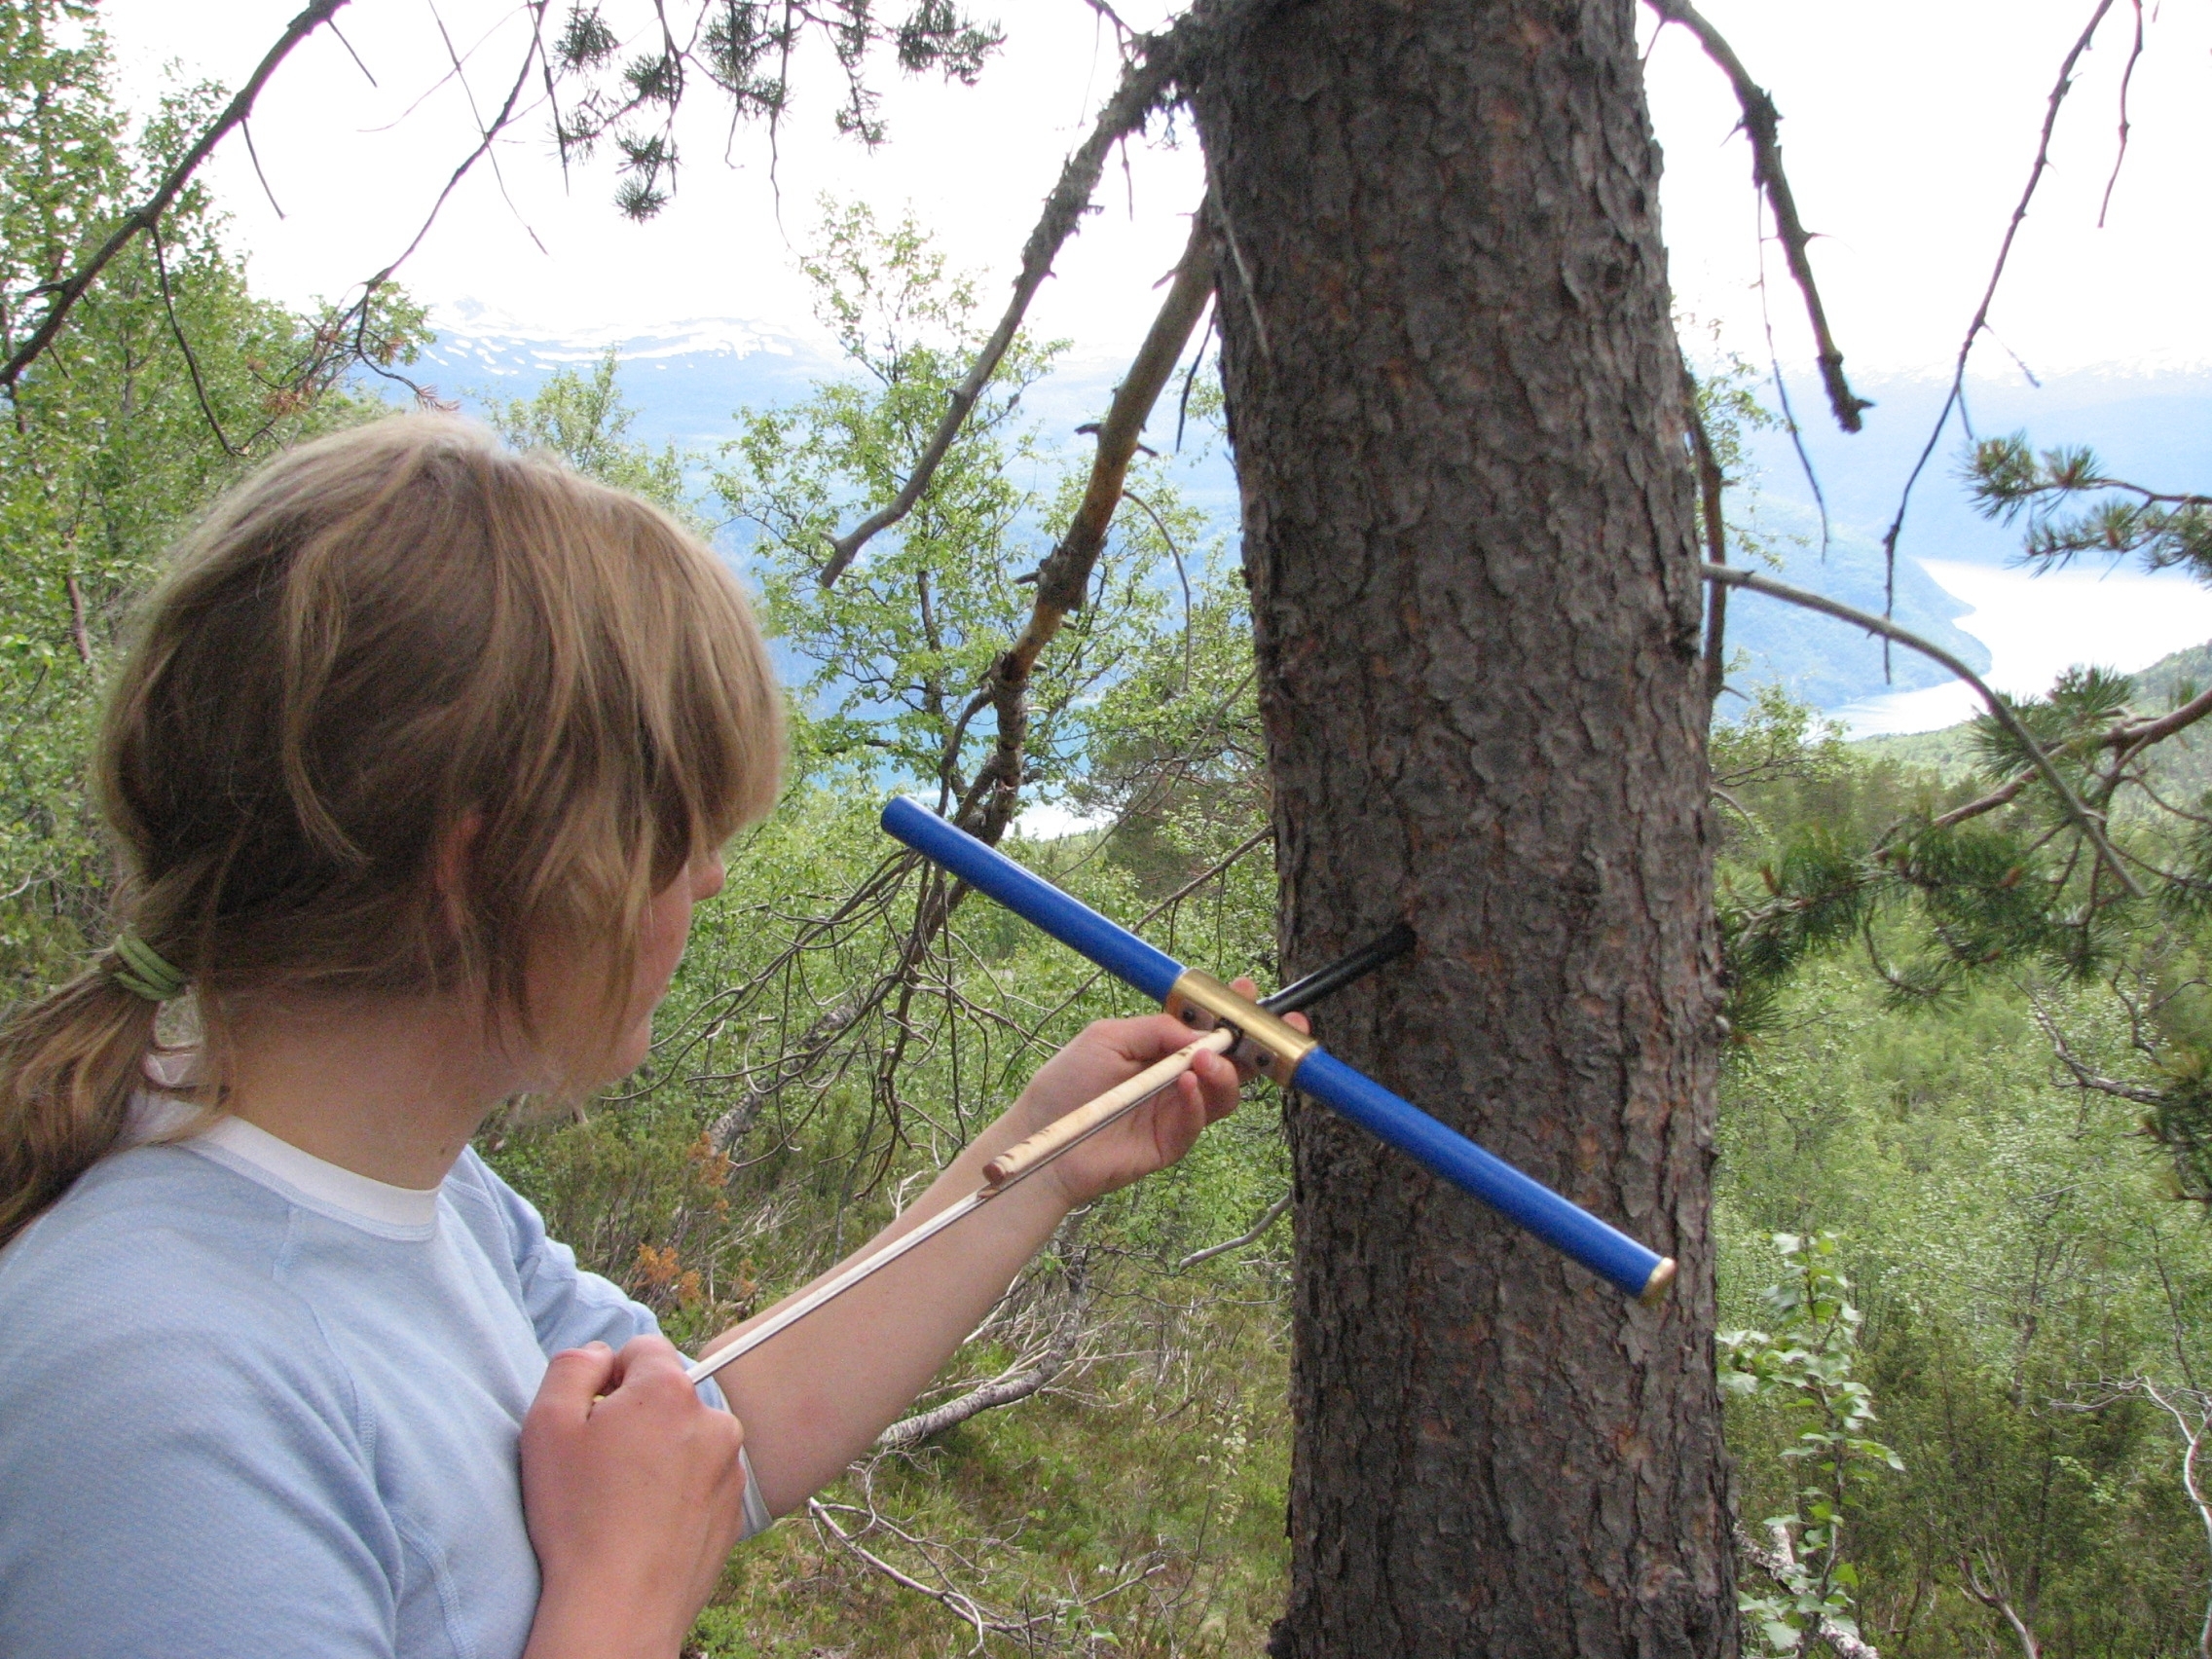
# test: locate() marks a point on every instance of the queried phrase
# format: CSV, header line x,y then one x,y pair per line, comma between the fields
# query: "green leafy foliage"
x,y
2068,507
1804,1367
900,647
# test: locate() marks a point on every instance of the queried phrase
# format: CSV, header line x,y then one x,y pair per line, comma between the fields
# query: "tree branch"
x,y
148,213
1996,1596
2131,740
1008,1386
2000,710
2083,1077
1062,579
1138,94
2003,795
1761,126
1708,488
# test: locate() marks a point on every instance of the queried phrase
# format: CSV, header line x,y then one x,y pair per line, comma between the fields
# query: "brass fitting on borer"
x,y
1270,1046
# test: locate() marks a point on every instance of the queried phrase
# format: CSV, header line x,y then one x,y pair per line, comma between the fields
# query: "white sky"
x,y
1907,128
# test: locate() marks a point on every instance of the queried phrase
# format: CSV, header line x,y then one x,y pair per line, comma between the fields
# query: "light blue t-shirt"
x,y
252,1404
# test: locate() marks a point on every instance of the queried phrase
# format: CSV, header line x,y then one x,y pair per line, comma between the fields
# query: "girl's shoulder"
x,y
154,1211
161,1270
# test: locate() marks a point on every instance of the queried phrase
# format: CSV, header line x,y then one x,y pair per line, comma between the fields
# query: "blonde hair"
x,y
405,706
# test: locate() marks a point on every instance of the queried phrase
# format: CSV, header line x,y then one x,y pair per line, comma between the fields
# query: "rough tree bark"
x,y
1459,419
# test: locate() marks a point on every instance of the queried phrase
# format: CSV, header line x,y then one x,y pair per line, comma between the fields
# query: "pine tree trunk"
x,y
1457,412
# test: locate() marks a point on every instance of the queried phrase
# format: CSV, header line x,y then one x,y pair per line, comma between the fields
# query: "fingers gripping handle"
x,y
1572,1231
1080,1125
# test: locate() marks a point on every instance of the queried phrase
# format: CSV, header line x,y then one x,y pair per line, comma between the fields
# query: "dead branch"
x,y
148,213
2083,1077
1996,1596
1777,1564
1999,708
1014,1383
1139,93
987,807
2133,739
2180,1405
1709,488
1762,125
1251,1235
357,314
1980,320
963,1605
79,633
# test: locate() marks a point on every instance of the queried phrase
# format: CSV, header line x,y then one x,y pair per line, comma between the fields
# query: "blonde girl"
x,y
420,758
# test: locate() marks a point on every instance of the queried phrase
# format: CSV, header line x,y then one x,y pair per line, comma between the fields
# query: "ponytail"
x,y
69,1064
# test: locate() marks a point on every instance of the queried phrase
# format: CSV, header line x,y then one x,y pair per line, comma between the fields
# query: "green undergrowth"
x,y
1139,1512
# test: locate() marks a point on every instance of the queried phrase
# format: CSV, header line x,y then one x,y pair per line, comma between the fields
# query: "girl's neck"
x,y
390,1088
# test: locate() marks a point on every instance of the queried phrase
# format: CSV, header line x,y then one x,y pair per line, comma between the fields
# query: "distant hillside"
x,y
686,379
2186,760
1820,660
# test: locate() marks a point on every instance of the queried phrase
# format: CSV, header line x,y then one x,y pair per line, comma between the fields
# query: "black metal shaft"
x,y
1326,982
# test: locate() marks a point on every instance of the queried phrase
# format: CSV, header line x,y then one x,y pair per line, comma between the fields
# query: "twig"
x,y
79,633
245,132
1761,124
1782,387
2126,80
1988,298
1268,1218
1132,101
2131,740
2003,795
965,1605
183,344
1182,573
354,55
1237,258
148,213
2191,1483
485,139
2002,711
2083,1077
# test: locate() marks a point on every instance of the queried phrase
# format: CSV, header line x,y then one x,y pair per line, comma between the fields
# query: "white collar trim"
x,y
259,1155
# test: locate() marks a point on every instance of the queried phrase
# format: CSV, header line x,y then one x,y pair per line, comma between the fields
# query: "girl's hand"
x,y
634,1495
1151,1137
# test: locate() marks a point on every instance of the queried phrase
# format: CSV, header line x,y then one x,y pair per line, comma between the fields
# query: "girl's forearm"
x,y
817,1396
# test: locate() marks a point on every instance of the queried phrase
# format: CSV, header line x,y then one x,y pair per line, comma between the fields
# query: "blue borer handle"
x,y
1572,1231
1034,900
1567,1228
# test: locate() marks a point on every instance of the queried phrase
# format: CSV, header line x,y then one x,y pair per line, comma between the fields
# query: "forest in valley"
x,y
1962,1201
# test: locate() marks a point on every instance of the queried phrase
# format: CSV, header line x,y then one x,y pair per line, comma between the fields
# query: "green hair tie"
x,y
143,970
